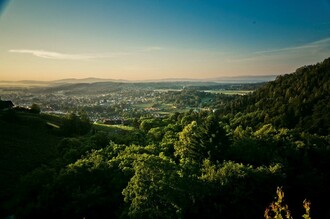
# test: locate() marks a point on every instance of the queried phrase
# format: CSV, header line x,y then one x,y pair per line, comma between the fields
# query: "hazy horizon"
x,y
224,78
154,40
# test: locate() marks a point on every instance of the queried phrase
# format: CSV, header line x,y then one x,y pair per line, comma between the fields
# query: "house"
x,y
6,104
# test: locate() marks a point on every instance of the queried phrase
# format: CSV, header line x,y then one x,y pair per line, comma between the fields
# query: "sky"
x,y
158,39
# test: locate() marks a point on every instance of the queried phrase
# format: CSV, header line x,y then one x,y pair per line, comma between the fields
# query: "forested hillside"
x,y
225,163
299,100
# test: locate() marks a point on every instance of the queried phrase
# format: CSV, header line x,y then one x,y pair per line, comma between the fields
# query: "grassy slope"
x,y
112,128
25,144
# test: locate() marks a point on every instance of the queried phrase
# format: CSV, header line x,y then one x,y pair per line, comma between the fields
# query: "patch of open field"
x,y
229,92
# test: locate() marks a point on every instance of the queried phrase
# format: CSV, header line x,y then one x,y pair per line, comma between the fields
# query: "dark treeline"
x,y
210,164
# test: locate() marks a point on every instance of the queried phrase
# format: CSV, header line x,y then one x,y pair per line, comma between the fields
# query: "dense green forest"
x,y
299,100
224,163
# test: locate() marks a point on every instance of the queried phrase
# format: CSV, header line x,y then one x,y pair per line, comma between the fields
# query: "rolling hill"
x,y
26,143
298,100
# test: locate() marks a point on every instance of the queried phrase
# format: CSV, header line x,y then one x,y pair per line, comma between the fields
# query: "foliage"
x,y
35,108
280,210
76,124
153,191
216,164
205,140
299,100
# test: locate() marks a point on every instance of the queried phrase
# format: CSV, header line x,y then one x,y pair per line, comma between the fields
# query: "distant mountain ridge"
x,y
224,79
86,80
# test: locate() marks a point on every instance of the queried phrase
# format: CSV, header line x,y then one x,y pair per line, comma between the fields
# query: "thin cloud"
x,y
66,56
54,55
320,46
309,46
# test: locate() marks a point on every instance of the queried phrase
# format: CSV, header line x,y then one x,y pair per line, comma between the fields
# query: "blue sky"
x,y
154,39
